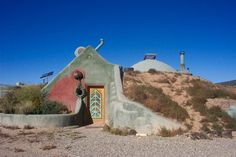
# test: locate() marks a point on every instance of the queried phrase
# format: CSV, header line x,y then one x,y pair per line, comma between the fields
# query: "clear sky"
x,y
38,36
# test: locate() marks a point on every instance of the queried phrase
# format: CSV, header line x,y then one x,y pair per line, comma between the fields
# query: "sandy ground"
x,y
95,142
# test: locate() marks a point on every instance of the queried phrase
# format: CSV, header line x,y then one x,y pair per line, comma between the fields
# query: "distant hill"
x,y
228,83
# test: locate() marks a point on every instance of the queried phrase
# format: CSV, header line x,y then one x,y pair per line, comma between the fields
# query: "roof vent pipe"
x,y
182,64
100,44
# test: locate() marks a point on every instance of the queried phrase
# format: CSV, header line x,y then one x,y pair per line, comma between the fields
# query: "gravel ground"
x,y
95,142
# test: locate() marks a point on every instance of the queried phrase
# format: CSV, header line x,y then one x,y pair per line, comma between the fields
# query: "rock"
x,y
198,136
215,134
227,134
141,135
132,132
234,133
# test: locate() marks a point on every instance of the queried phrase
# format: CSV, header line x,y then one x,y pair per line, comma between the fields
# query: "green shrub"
x,y
217,127
51,107
29,100
205,128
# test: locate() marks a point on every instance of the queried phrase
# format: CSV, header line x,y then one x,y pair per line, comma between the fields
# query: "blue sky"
x,y
38,36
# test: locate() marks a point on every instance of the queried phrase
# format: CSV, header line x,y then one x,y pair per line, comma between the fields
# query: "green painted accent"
x,y
96,104
97,70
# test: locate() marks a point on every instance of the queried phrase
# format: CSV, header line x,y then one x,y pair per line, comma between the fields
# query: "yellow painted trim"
x,y
102,92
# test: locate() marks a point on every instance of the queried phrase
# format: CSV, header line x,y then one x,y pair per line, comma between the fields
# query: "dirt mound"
x,y
161,91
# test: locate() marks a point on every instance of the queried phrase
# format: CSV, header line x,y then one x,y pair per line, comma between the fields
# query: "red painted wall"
x,y
63,90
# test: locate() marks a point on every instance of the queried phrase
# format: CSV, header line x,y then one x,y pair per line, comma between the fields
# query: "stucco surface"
x,y
125,113
97,72
55,120
145,65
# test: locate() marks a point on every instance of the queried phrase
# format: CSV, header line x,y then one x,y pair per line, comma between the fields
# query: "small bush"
x,y
121,132
217,127
170,133
52,107
152,71
106,128
29,100
189,126
164,80
28,127
8,103
205,128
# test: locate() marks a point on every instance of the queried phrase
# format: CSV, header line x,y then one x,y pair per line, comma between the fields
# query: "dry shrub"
x,y
200,92
117,131
28,127
154,71
164,80
133,73
205,90
205,128
172,79
155,99
48,147
10,127
170,133
179,91
17,150
4,135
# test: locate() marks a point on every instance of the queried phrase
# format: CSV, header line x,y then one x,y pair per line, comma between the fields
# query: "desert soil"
x,y
95,142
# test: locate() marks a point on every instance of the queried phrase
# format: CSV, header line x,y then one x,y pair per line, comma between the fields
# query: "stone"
x,y
132,132
227,134
198,136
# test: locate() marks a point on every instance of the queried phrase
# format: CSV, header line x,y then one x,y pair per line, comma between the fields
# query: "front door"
x,y
96,101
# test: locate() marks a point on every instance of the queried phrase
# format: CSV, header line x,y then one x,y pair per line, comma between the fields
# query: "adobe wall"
x,y
97,71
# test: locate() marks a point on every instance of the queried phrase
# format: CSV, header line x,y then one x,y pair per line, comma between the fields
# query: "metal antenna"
x,y
100,44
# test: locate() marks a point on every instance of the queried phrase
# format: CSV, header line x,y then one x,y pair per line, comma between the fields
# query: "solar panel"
x,y
150,56
47,74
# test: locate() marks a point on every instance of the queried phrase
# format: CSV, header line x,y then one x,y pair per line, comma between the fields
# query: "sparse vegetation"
x,y
28,127
133,73
10,127
17,150
200,92
170,133
29,100
119,131
48,147
205,127
155,99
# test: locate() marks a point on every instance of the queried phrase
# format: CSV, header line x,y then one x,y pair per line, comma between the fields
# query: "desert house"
x,y
105,102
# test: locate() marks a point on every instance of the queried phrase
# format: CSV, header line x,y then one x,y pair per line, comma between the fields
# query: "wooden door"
x,y
96,101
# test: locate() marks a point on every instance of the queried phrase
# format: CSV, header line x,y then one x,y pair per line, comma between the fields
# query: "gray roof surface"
x,y
145,65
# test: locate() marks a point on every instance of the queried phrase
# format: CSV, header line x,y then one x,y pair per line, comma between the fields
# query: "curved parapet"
x,y
47,121
125,113
43,120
